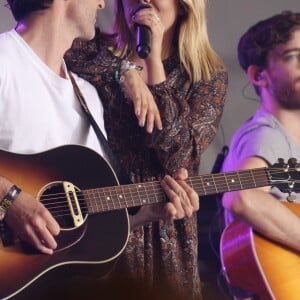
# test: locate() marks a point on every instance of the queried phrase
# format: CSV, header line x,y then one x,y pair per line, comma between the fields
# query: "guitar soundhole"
x,y
55,200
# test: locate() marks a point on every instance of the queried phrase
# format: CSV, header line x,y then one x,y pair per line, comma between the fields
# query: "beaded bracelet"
x,y
8,199
126,65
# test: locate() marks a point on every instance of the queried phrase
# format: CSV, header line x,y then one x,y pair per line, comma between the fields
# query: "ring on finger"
x,y
157,19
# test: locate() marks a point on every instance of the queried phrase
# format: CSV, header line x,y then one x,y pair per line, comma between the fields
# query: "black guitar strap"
x,y
109,155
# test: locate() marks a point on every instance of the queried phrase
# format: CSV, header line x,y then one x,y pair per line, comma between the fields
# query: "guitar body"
x,y
87,249
260,266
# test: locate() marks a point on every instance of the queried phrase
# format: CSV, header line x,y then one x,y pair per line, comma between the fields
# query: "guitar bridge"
x,y
74,206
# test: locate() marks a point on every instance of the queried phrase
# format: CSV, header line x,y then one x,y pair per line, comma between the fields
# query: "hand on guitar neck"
x,y
183,202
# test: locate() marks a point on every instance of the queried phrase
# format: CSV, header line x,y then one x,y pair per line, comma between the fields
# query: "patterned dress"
x,y
158,252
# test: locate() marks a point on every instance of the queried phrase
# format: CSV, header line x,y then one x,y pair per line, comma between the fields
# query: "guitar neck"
x,y
125,196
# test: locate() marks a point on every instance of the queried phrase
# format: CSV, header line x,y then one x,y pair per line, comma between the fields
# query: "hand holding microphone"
x,y
149,39
146,28
143,35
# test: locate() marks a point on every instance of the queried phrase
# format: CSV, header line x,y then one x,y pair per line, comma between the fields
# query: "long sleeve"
x,y
190,119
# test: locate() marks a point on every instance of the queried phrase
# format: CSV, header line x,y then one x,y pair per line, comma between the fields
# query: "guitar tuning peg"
x,y
292,161
290,197
281,164
281,161
296,164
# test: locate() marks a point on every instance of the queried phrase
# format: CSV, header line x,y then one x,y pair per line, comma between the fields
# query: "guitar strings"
x,y
97,193
111,198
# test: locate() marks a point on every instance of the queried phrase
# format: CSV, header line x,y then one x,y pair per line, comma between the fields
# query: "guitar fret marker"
x,y
232,180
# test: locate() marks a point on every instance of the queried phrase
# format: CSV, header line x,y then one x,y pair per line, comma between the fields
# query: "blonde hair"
x,y
195,52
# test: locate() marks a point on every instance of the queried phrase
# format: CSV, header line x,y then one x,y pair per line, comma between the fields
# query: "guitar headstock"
x,y
286,176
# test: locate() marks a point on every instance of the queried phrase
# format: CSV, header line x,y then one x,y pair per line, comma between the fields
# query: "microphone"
x,y
142,35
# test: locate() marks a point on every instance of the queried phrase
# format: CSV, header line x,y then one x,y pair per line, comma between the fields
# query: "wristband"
x,y
127,65
8,200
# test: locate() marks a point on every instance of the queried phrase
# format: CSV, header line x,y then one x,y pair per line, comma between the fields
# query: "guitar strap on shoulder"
x,y
110,156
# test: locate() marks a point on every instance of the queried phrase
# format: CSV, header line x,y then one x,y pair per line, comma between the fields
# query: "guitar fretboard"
x,y
125,196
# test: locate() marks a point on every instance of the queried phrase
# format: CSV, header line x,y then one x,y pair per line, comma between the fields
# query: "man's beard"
x,y
286,94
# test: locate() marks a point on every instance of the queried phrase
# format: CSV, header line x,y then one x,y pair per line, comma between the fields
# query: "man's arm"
x,y
30,220
262,211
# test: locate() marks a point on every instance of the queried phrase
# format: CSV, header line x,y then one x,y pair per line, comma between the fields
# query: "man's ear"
x,y
256,76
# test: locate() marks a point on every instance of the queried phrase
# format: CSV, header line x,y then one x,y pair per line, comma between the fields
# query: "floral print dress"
x,y
159,251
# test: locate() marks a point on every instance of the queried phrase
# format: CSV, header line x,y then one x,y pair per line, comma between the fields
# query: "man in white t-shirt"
x,y
39,109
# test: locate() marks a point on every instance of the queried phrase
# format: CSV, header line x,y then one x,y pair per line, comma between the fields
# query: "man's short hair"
x,y
22,8
255,45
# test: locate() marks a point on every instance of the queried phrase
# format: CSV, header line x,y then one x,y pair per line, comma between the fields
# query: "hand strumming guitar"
x,y
30,220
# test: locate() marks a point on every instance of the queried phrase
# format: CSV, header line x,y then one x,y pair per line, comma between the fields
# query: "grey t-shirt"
x,y
263,136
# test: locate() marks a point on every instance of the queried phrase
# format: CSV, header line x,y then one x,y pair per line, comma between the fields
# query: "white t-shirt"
x,y
39,109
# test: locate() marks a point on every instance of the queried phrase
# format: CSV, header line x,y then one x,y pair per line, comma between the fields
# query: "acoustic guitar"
x,y
259,266
82,192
